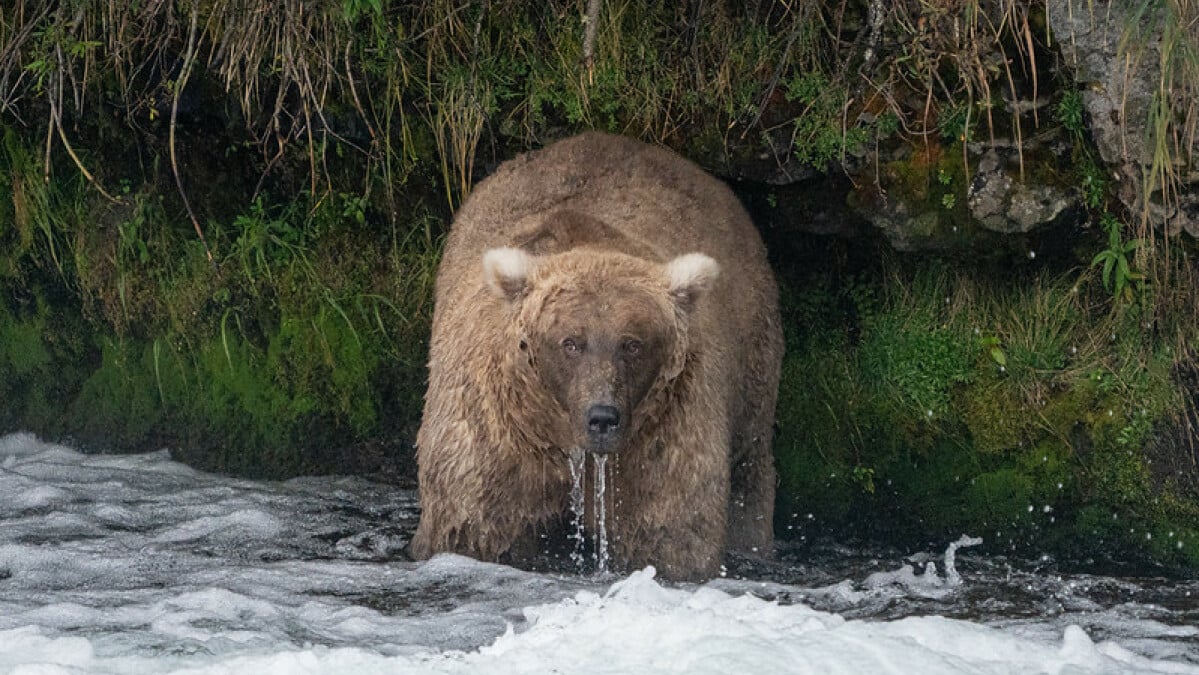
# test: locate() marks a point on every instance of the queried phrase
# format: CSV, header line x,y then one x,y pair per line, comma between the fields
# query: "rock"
x,y
921,201
1118,74
906,229
1001,203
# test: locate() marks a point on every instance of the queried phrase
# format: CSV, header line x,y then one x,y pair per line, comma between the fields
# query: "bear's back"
x,y
608,192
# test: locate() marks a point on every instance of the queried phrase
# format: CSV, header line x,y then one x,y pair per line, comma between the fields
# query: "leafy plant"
x,y
954,122
991,345
1093,182
1118,276
1069,112
820,136
864,477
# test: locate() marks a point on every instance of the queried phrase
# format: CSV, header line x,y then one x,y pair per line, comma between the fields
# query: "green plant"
x,y
265,240
820,133
954,122
1093,182
1119,278
864,477
1069,112
993,348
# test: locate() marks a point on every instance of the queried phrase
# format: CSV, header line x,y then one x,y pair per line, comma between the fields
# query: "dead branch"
x,y
590,28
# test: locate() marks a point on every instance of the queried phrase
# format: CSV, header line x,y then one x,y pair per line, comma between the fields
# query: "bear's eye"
x,y
570,346
631,347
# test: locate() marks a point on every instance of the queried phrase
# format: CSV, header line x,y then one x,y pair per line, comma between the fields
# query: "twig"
x,y
697,8
354,92
189,60
590,28
775,76
56,124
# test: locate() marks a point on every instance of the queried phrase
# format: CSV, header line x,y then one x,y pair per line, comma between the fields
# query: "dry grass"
x,y
472,70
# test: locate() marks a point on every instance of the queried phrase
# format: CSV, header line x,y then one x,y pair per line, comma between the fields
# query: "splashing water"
x,y
578,509
577,504
600,462
952,577
135,563
929,584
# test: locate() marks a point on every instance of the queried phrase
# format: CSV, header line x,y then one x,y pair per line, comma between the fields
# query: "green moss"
x,y
994,412
120,402
1040,415
25,353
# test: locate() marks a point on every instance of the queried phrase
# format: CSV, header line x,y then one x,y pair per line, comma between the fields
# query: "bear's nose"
x,y
602,420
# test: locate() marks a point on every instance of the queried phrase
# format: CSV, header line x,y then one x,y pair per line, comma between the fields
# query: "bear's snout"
x,y
603,427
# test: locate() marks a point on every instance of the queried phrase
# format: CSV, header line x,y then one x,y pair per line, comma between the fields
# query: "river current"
x,y
136,563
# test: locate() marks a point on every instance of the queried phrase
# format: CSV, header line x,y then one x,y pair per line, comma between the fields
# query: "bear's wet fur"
x,y
608,295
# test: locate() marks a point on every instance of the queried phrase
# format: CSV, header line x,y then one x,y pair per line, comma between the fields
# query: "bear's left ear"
x,y
506,271
690,276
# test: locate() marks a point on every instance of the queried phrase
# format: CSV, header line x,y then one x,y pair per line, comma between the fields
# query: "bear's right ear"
x,y
506,271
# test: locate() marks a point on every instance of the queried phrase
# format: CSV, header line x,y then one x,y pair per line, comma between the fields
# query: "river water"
x,y
138,564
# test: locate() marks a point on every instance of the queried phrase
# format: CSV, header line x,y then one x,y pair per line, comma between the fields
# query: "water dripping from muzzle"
x,y
578,467
600,463
578,508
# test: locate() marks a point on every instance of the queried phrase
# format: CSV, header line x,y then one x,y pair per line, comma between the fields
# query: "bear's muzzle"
x,y
603,428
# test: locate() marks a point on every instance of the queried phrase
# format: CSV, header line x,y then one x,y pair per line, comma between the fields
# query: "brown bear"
x,y
607,295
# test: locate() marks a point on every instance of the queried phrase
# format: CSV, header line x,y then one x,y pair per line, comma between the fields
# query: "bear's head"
x,y
599,331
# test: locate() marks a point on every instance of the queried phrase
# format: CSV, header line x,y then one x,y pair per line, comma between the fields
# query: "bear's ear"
x,y
690,276
507,272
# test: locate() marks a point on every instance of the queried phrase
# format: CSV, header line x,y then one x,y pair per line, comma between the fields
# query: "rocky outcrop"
x,y
934,199
1117,64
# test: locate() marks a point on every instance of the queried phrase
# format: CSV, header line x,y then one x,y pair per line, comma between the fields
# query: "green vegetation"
x,y
305,336
1118,275
923,401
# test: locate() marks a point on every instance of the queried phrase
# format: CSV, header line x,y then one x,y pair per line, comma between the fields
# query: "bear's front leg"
x,y
672,514
484,504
